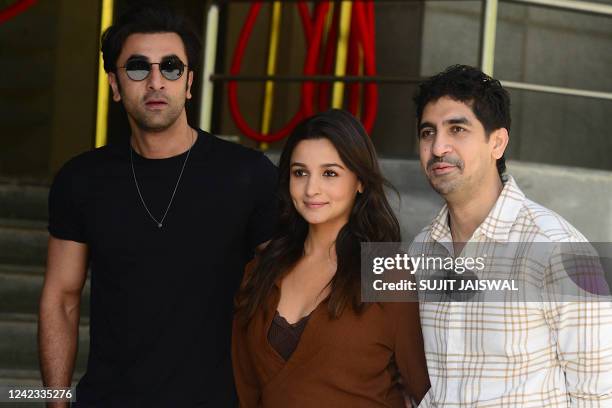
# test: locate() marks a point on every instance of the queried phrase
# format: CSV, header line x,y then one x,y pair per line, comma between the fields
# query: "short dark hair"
x,y
489,101
148,18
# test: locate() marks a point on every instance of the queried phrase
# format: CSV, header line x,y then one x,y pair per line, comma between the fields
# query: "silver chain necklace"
x,y
159,223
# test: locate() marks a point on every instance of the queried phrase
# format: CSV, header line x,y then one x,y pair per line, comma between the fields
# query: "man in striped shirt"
x,y
502,353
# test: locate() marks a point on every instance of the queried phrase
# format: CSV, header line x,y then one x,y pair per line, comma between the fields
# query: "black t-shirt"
x,y
162,298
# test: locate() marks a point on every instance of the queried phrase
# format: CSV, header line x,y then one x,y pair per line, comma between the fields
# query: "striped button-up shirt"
x,y
515,353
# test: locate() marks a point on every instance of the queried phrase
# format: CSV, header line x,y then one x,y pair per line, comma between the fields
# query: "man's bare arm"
x,y
58,326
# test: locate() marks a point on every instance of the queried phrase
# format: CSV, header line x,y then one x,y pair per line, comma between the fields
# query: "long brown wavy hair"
x,y
371,218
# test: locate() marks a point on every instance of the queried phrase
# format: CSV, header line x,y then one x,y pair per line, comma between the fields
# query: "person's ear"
x,y
115,87
360,188
189,83
499,140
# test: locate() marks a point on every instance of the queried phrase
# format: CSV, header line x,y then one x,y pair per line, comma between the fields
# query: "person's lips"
x,y
155,103
442,168
314,204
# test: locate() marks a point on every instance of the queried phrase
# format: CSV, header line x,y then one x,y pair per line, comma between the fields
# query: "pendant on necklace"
x,y
159,225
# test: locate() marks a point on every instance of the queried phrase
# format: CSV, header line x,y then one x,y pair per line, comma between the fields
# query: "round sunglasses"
x,y
138,70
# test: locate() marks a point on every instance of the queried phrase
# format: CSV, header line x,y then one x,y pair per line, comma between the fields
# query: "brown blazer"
x,y
352,361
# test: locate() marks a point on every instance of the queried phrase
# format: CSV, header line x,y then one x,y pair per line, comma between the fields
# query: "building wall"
x,y
27,55
47,89
74,87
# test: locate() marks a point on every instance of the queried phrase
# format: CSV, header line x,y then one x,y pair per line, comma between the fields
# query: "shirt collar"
x,y
497,224
440,229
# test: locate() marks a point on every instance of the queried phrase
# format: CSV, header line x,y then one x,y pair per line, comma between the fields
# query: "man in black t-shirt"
x,y
166,221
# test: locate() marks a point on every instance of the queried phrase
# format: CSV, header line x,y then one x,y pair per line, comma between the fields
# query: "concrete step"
x,y
19,201
23,223
23,242
20,290
28,378
23,247
31,270
25,378
19,344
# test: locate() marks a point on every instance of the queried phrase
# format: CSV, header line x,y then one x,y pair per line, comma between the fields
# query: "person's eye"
x,y
426,133
330,173
457,129
299,172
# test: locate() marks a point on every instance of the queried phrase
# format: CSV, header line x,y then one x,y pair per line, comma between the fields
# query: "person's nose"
x,y
155,79
312,186
442,145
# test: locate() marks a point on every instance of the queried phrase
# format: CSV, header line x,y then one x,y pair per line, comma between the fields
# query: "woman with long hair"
x,y
302,337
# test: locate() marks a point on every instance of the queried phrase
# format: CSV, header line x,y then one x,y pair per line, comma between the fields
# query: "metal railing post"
x,y
487,40
106,19
210,57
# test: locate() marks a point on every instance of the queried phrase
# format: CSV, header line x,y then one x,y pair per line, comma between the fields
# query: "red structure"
x,y
318,62
14,9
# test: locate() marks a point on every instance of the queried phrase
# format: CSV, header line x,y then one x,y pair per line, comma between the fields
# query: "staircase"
x,y
23,245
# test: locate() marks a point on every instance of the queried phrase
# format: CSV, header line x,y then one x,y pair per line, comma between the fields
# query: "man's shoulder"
x,y
74,177
547,224
242,165
91,159
230,151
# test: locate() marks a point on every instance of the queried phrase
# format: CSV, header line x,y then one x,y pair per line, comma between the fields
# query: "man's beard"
x,y
156,121
153,121
445,187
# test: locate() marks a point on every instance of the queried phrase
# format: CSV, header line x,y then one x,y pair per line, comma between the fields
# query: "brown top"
x,y
285,336
352,361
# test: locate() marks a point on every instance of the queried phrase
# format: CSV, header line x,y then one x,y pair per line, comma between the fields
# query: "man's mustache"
x,y
156,95
453,161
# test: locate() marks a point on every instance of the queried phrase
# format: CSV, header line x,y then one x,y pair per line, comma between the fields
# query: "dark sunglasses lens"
x,y
137,70
172,69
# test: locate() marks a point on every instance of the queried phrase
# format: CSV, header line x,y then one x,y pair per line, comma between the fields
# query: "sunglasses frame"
x,y
150,64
